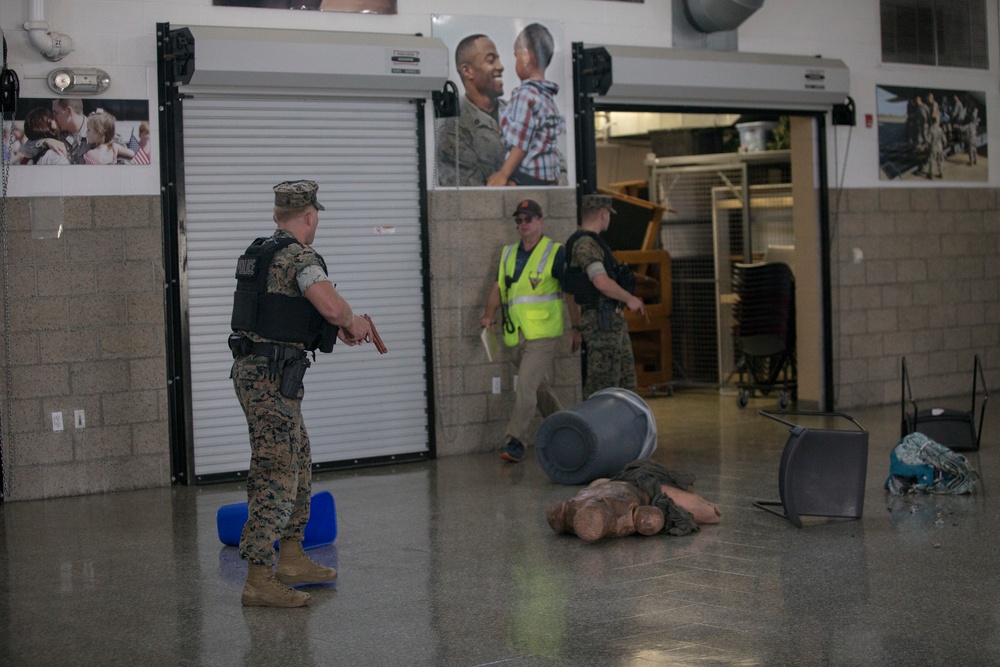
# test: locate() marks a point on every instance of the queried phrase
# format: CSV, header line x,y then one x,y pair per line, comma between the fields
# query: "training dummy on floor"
x,y
644,498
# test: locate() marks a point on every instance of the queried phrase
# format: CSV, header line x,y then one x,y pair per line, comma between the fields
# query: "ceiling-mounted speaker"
x,y
718,15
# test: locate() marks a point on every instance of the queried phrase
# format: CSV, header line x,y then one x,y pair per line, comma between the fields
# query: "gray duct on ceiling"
x,y
710,16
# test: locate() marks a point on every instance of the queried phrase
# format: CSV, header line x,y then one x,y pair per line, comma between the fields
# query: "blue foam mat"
x,y
321,529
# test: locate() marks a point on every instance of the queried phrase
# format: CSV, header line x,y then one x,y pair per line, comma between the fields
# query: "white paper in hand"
x,y
490,343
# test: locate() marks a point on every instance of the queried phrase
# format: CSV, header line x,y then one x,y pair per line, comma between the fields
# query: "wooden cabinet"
x,y
634,236
652,340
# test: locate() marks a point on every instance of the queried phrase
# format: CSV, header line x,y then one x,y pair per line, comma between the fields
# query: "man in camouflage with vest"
x,y
297,309
603,330
528,290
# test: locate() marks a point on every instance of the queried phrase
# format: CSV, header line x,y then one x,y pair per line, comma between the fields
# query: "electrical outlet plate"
x,y
57,422
496,385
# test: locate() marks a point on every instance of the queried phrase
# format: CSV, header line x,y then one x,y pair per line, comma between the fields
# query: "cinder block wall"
x,y
87,334
467,231
87,320
916,273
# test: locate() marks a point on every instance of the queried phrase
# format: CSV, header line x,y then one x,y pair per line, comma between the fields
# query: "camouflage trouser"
x,y
280,479
610,362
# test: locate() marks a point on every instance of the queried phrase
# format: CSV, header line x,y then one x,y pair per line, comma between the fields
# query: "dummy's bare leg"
x,y
702,510
648,519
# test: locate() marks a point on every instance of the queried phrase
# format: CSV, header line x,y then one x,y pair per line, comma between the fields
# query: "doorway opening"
x,y
734,191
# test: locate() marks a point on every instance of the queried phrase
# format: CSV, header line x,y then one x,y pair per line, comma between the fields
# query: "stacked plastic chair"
x,y
764,331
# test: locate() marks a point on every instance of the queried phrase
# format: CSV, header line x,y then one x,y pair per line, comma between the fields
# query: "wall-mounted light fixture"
x,y
78,80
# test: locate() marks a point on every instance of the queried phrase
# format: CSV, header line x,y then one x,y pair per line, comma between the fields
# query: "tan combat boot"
x,y
295,568
264,590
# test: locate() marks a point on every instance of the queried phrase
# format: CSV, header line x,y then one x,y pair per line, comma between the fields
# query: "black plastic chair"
x,y
955,429
822,472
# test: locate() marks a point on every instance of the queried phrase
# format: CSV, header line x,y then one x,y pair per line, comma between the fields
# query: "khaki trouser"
x,y
535,360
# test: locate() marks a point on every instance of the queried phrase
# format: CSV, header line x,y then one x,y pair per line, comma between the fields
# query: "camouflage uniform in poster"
x,y
469,146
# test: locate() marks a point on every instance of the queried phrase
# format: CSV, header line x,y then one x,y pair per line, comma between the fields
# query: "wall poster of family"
x,y
71,131
931,134
513,85
355,6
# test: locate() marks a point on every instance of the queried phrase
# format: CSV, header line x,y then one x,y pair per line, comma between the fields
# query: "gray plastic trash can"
x,y
596,438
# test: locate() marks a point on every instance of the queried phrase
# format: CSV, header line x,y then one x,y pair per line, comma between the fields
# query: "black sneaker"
x,y
513,452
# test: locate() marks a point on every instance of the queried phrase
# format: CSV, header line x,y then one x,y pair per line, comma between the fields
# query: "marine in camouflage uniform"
x,y
279,483
609,358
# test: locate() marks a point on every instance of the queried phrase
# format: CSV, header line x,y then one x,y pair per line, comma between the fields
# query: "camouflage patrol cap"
x,y
296,194
597,202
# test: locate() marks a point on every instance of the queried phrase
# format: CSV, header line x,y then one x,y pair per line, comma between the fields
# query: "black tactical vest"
x,y
291,319
578,283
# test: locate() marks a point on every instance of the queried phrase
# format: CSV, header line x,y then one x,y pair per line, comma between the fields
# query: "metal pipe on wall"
x,y
52,45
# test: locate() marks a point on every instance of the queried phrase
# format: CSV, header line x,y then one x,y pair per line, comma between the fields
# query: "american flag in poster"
x,y
141,156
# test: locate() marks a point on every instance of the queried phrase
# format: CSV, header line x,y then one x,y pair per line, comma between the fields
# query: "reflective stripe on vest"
x,y
536,310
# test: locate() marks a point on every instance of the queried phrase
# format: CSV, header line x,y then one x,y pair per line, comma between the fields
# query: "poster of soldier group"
x,y
74,131
931,134
514,110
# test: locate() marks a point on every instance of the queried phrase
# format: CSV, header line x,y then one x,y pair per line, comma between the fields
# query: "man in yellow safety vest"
x,y
528,291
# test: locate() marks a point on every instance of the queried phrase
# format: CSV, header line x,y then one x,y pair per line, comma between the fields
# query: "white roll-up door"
x,y
364,154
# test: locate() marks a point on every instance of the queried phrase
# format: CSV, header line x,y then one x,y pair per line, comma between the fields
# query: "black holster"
x,y
288,363
605,314
292,374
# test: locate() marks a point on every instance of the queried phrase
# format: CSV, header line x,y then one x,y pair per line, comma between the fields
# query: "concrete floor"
x,y
451,562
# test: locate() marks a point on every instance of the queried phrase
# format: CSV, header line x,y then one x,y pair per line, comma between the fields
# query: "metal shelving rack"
x,y
700,193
